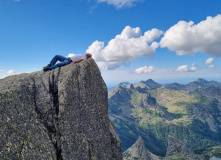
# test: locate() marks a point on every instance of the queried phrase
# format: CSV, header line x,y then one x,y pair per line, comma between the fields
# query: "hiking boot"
x,y
49,65
46,67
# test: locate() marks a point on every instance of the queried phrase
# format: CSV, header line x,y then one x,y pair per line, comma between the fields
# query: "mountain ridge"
x,y
155,113
191,86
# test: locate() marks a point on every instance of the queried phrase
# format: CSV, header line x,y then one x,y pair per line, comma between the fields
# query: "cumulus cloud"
x,y
185,68
209,61
187,39
11,72
119,3
124,48
144,69
193,68
211,66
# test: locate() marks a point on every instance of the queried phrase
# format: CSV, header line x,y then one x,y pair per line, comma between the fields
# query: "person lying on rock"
x,y
72,58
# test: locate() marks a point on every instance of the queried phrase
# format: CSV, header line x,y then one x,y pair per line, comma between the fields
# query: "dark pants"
x,y
63,61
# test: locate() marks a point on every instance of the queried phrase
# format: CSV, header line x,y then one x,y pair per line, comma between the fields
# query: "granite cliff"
x,y
138,151
59,115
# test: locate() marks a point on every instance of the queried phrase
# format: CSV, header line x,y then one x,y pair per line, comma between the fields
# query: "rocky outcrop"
x,y
138,151
59,115
176,150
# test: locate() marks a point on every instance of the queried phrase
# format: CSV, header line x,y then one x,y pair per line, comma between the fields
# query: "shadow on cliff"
x,y
60,114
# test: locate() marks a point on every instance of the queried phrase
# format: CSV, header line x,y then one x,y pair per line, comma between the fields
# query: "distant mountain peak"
x,y
149,81
201,80
124,84
151,84
139,141
132,86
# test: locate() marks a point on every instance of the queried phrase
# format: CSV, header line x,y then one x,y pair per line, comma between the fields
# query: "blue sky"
x,y
131,40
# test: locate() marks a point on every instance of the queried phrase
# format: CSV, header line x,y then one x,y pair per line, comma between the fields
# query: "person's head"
x,y
88,55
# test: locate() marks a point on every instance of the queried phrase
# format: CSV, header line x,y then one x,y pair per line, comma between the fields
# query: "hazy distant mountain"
x,y
198,83
175,86
156,111
201,83
150,84
124,84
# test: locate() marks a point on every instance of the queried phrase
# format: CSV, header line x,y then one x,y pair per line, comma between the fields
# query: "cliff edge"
x,y
59,115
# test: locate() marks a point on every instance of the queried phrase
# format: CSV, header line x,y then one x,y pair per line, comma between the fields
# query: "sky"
x,y
130,40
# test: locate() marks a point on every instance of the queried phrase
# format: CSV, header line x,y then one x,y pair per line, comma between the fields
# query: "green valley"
x,y
191,113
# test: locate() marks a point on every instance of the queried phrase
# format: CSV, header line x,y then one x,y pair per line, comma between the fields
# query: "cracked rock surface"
x,y
57,115
138,151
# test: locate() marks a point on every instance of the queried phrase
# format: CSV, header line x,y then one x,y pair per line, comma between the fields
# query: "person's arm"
x,y
77,61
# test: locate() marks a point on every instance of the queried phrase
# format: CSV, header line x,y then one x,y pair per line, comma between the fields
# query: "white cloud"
x,y
124,48
144,69
11,72
185,68
187,39
120,3
164,75
211,66
193,68
209,61
17,0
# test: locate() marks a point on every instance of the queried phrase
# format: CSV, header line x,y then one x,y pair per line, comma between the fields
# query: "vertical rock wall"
x,y
60,114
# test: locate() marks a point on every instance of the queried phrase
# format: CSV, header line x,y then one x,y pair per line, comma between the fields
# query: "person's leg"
x,y
53,62
63,63
57,58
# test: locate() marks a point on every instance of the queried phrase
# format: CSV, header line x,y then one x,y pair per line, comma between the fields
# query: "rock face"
x,y
176,150
59,115
179,150
138,151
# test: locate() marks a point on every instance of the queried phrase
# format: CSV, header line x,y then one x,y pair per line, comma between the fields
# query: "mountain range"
x,y
190,113
151,84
